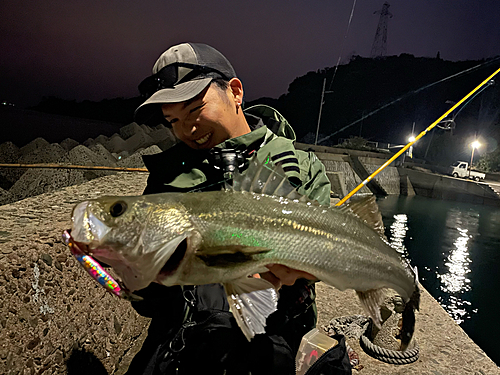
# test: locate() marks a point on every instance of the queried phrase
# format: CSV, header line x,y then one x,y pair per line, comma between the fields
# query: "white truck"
x,y
461,169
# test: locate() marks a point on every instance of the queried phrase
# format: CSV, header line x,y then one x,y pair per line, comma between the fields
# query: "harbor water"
x,y
456,249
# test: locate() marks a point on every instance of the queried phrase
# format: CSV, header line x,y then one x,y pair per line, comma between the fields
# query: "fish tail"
x,y
408,324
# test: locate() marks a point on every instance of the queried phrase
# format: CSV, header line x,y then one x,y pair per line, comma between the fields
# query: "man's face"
x,y
206,120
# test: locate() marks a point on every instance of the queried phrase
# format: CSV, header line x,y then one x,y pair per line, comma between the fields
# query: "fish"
x,y
228,235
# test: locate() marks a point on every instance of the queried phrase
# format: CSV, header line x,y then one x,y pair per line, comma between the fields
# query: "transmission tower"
x,y
379,47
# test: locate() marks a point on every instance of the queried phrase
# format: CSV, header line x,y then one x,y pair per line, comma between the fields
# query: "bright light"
x,y
411,139
475,144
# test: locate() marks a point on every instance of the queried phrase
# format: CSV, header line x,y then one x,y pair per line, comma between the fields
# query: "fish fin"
x,y
366,209
267,178
371,300
408,319
222,256
251,301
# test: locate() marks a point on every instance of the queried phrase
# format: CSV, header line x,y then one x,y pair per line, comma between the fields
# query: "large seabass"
x,y
225,236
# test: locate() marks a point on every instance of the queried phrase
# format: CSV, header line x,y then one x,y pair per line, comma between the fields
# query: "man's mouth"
x,y
203,139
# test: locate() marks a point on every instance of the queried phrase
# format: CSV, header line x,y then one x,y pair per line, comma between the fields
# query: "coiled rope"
x,y
394,357
358,327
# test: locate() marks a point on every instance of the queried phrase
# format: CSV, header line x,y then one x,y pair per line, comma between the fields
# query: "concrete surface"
x,y
54,319
445,349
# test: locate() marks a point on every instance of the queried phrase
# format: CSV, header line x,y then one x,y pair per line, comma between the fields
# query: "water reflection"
x,y
462,226
398,233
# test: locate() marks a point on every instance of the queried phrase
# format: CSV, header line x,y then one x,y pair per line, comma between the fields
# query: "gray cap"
x,y
179,74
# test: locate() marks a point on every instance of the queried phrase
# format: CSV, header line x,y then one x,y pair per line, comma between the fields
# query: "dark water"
x,y
456,248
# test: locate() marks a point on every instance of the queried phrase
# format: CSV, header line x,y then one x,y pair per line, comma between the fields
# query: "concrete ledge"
x,y
450,188
51,312
445,349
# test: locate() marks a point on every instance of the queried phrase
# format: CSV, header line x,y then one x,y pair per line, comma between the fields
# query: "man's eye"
x,y
195,109
173,121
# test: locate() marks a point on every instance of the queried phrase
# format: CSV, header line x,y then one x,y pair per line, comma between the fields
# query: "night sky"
x,y
88,49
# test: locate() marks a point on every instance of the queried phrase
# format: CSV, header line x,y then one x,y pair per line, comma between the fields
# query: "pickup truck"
x,y
461,169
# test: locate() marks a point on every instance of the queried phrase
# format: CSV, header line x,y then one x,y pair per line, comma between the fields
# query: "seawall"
x,y
55,319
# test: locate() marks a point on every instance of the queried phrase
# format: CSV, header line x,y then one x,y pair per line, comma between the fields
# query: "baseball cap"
x,y
179,74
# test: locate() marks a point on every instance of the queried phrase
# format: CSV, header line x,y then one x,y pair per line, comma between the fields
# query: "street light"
x,y
474,145
410,150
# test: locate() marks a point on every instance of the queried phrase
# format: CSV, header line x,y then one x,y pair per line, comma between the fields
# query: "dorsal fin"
x,y
266,178
366,209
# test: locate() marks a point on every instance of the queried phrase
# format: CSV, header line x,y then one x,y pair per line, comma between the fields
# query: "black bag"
x,y
333,362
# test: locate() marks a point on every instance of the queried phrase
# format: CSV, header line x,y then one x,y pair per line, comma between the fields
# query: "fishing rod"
x,y
424,132
70,166
466,71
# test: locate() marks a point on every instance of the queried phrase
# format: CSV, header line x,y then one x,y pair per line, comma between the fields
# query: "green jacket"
x,y
181,168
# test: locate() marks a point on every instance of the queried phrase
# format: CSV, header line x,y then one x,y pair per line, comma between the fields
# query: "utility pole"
x,y
379,47
323,92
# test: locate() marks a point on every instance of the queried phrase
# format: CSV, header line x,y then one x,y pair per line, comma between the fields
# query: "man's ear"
x,y
236,88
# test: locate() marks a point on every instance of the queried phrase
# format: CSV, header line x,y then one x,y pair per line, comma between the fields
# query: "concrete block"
x,y
34,145
82,155
138,141
5,198
130,130
135,160
351,179
69,144
406,186
9,154
337,182
106,156
102,139
39,181
116,144
146,128
388,178
89,142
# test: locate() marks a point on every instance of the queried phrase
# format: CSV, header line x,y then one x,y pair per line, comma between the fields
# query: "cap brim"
x,y
177,94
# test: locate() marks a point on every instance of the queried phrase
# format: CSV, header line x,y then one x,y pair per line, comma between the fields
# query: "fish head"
x,y
134,235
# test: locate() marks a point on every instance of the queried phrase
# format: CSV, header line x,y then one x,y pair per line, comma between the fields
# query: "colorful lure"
x,y
96,271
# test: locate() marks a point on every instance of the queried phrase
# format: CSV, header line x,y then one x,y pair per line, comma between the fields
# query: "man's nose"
x,y
189,126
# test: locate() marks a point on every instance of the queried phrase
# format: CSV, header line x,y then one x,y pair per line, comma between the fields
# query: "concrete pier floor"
x,y
444,347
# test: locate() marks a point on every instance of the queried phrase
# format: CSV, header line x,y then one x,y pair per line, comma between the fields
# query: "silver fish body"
x,y
225,236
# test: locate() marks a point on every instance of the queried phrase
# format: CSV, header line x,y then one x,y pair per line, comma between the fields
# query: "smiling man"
x,y
195,91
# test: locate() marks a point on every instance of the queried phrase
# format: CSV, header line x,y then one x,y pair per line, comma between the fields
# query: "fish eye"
x,y
118,208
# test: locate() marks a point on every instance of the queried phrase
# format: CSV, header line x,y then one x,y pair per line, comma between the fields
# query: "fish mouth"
x,y
174,261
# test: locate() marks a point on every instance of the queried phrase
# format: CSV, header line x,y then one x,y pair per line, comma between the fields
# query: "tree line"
x,y
379,100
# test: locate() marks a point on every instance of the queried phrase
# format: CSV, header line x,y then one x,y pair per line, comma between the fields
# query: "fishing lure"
x,y
96,271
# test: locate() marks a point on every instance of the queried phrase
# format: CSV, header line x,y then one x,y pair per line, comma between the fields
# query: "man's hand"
x,y
279,275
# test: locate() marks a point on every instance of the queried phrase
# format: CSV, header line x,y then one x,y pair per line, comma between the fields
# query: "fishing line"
x,y
395,156
343,44
466,71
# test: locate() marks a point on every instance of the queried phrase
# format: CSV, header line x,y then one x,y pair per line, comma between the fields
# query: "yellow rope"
x,y
69,166
368,179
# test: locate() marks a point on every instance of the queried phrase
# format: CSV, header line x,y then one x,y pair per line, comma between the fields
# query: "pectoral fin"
x,y
252,301
371,301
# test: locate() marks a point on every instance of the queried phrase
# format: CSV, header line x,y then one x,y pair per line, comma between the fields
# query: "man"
x,y
195,91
